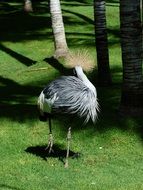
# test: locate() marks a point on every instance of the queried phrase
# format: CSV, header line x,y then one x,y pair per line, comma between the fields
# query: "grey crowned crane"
x,y
69,95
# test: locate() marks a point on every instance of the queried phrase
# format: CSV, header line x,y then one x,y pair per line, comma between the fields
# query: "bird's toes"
x,y
76,155
49,149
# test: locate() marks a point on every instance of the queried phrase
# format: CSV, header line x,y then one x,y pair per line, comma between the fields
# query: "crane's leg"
x,y
68,146
50,141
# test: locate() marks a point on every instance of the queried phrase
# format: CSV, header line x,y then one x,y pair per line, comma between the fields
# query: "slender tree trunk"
x,y
28,6
131,43
61,48
141,7
104,76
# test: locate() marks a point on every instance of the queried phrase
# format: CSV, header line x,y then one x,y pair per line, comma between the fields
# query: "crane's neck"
x,y
83,77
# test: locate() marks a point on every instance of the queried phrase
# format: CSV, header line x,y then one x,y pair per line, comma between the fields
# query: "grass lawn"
x,y
111,150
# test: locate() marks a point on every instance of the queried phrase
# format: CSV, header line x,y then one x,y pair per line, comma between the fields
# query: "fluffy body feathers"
x,y
72,95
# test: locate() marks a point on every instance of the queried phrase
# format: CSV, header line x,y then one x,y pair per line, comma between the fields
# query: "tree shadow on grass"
x,y
55,63
19,112
58,152
18,26
23,59
113,1
4,186
15,100
78,1
110,117
139,129
81,16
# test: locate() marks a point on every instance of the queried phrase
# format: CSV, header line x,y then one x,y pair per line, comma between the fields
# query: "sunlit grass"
x,y
111,150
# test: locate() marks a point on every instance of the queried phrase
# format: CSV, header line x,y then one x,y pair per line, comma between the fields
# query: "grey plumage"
x,y
68,94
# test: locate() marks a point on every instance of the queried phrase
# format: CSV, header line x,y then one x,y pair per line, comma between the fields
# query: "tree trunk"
x,y
131,43
104,75
141,8
28,6
61,48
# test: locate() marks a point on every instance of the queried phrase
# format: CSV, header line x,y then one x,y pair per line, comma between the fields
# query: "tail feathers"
x,y
43,116
40,102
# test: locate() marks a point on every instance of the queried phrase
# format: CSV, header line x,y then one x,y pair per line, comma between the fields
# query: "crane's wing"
x,y
71,96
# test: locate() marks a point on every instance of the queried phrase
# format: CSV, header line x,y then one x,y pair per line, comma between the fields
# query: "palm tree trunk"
x,y
141,8
61,48
131,43
104,76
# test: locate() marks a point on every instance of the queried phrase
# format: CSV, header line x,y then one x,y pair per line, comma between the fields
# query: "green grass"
x,y
111,150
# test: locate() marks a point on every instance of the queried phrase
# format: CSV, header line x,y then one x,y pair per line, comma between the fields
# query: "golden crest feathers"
x,y
80,58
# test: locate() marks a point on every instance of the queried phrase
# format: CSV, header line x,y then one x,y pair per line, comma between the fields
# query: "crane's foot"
x,y
66,164
76,155
50,144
